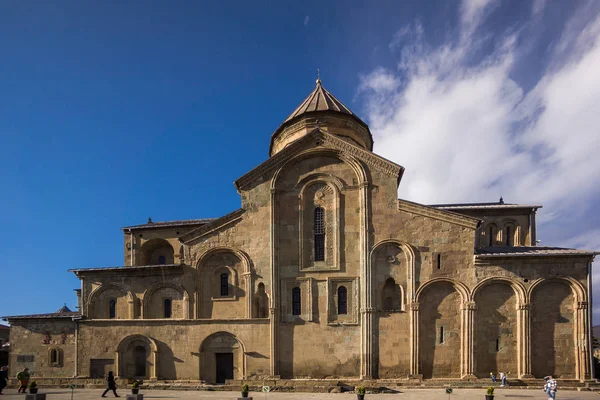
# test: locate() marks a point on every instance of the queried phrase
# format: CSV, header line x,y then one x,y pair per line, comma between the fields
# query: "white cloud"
x,y
306,19
469,132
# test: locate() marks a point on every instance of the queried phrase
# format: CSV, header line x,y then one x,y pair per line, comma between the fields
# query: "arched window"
x,y
296,301
112,308
162,260
319,234
391,296
168,308
491,238
342,294
224,284
509,239
54,356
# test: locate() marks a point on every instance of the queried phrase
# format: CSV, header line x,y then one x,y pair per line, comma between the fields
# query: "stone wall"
x,y
31,344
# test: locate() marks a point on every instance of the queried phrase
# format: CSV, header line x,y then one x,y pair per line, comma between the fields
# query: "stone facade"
x,y
323,272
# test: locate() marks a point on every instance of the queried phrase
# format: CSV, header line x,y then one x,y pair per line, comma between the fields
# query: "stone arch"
x,y
129,360
149,309
407,278
212,350
440,303
97,304
237,264
553,325
355,165
496,327
157,251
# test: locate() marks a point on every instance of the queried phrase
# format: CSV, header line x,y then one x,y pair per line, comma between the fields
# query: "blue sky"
x,y
112,112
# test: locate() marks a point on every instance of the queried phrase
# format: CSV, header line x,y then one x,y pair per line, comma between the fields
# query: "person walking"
x,y
502,379
3,378
493,377
550,387
110,384
23,378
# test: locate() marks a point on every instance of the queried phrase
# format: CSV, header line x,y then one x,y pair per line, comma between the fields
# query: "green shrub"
x,y
32,385
245,389
361,390
490,391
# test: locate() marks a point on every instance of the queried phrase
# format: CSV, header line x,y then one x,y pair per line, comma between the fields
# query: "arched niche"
x,y
154,297
156,252
136,357
99,302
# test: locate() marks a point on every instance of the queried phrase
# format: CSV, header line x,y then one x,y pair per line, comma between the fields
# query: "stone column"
x,y
142,315
414,339
131,308
524,340
117,364
468,346
186,306
367,298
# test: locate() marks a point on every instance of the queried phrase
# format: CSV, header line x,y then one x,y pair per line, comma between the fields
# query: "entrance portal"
x,y
221,358
224,363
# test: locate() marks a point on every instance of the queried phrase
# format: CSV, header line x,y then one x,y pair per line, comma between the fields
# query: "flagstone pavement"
x,y
406,394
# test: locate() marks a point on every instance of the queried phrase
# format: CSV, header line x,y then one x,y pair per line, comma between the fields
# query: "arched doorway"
x,y
221,358
137,358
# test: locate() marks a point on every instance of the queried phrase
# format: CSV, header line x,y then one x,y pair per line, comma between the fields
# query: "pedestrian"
x,y
110,384
550,387
493,377
23,378
3,378
502,379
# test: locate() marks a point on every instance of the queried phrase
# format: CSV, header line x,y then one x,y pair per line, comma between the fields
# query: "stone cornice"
x,y
215,225
328,141
447,216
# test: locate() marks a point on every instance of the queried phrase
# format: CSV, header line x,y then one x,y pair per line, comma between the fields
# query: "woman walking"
x,y
3,378
110,384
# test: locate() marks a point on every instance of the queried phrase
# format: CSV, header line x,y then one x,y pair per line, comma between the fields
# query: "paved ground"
x,y
407,394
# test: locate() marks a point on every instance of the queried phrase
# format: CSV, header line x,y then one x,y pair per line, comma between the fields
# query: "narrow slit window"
x,y
54,356
497,344
112,308
342,295
319,234
508,238
439,261
168,308
491,233
296,301
162,260
224,284
441,334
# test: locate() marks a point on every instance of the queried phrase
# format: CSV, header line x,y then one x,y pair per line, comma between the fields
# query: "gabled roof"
x,y
484,206
63,312
328,141
167,224
530,251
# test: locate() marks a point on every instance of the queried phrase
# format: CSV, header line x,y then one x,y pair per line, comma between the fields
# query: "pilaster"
x,y
524,340
367,295
414,338
468,347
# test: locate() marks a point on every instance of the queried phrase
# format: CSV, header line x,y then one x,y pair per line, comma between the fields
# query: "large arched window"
x,y
491,236
509,237
296,301
162,260
112,308
224,284
319,234
342,295
168,306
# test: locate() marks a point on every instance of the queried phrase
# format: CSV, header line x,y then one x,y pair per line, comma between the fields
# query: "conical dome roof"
x,y
319,104
319,100
63,309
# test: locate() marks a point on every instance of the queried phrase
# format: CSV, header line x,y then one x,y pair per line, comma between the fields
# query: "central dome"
x,y
323,110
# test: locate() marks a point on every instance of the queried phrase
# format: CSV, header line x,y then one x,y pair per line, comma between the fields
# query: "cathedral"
x,y
324,273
